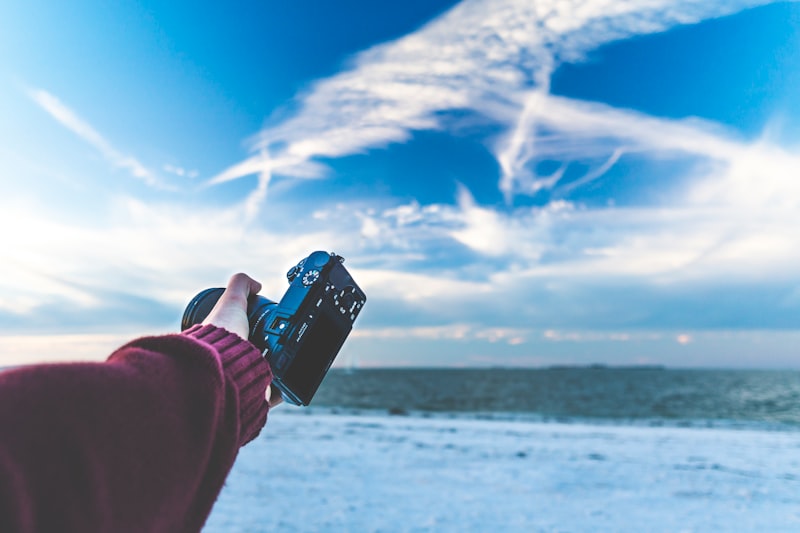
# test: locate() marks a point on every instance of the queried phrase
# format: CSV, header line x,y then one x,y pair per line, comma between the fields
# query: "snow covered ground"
x,y
335,472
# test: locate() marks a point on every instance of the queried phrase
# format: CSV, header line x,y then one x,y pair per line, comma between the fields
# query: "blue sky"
x,y
512,183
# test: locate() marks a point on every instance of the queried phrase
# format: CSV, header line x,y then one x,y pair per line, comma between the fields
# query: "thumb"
x,y
239,289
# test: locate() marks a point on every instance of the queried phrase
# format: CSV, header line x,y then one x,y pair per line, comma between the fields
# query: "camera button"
x,y
310,277
280,325
281,362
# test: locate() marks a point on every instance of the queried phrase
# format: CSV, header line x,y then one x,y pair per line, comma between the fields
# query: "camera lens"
x,y
258,310
200,306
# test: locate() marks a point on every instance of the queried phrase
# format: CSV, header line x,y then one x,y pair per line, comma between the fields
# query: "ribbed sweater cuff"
x,y
243,364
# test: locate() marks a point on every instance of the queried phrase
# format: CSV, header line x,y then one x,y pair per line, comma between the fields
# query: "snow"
x,y
343,472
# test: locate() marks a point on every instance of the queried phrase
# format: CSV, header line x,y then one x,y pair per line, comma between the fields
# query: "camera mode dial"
x,y
310,277
295,270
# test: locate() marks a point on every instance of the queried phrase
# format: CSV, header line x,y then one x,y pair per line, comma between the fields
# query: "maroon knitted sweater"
x,y
142,442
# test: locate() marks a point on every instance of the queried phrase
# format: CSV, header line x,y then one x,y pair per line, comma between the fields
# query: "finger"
x,y
241,286
230,311
274,397
239,289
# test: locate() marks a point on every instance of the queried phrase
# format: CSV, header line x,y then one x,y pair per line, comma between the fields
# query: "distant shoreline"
x,y
592,366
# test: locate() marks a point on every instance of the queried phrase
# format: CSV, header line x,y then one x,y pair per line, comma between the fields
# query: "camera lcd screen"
x,y
320,345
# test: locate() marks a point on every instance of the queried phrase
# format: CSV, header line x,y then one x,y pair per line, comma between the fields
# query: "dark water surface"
x,y
654,396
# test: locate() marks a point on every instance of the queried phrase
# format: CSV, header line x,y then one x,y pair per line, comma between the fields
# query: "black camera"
x,y
301,335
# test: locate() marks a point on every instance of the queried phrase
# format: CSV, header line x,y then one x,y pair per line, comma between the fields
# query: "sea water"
x,y
646,395
560,449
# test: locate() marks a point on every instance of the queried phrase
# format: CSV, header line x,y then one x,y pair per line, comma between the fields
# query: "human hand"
x,y
230,312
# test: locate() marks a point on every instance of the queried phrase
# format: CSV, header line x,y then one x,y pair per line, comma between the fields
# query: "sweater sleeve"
x,y
141,442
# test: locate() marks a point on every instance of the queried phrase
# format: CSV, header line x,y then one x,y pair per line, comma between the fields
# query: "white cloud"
x,y
492,57
736,218
452,332
494,233
31,349
70,120
553,335
180,171
496,58
149,250
423,290
168,253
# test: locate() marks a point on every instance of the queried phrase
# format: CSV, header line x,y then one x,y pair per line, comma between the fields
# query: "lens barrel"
x,y
258,311
200,306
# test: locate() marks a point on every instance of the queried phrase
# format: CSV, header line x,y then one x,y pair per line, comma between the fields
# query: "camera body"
x,y
301,335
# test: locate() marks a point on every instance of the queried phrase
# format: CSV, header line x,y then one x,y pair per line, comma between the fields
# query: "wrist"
x,y
245,369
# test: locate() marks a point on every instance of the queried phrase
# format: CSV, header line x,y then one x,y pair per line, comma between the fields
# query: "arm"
x,y
142,442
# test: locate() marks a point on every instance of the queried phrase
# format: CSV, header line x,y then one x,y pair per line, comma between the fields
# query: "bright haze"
x,y
512,183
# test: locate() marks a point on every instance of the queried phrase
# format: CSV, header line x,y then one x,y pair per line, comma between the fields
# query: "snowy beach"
x,y
321,471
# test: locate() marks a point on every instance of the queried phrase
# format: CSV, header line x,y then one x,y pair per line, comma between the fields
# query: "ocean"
x,y
765,399
525,450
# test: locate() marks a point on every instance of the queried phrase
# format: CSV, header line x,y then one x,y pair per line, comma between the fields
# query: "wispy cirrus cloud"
x,y
496,59
492,58
73,122
180,171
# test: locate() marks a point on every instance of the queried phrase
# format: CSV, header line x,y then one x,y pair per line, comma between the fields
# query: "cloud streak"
x,y
77,125
493,58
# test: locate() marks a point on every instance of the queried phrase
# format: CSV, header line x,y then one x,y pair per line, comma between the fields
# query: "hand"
x,y
230,312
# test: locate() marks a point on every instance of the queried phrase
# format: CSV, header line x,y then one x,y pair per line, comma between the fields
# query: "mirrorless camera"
x,y
301,335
